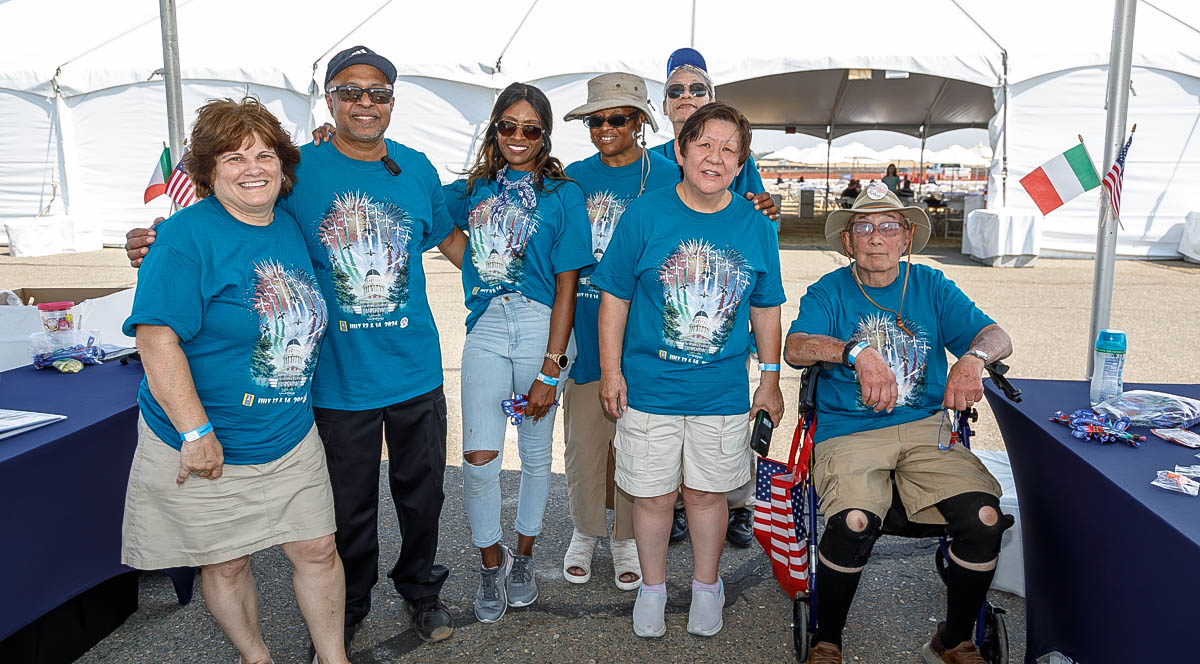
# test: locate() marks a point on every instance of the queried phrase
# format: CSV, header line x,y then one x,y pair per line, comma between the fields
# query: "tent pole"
x,y
921,187
692,41
171,82
828,146
1119,61
1004,136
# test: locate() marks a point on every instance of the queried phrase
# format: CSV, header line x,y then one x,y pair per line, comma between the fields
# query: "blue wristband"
x,y
552,382
768,367
853,355
195,434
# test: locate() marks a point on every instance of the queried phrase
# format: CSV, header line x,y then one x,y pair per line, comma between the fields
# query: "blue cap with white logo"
x,y
686,56
359,55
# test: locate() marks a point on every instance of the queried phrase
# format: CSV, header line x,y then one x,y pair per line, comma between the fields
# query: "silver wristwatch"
x,y
980,354
558,358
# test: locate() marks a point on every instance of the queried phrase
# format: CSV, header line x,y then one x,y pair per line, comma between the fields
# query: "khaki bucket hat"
x,y
613,91
878,198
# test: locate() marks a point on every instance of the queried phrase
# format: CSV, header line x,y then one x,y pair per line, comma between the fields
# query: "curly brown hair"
x,y
490,160
716,110
224,125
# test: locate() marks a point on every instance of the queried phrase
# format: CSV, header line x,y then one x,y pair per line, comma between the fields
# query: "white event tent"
x,y
83,117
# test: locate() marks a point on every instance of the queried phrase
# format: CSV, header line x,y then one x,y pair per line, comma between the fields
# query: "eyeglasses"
x,y
615,121
507,128
675,90
352,93
886,228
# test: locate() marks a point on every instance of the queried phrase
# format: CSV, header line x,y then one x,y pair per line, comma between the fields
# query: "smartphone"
x,y
760,436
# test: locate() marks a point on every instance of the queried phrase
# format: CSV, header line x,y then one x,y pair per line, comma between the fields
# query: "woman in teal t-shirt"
x,y
528,238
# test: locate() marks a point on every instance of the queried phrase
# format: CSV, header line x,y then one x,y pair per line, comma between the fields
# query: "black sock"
x,y
965,591
835,592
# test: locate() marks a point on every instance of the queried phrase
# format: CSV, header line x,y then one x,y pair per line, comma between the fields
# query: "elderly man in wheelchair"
x,y
879,329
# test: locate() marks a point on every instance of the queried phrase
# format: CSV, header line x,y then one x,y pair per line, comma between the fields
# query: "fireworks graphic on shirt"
x,y
905,355
702,290
499,231
291,319
604,210
367,242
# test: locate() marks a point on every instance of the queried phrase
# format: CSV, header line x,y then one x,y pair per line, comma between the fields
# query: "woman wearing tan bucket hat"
x,y
616,114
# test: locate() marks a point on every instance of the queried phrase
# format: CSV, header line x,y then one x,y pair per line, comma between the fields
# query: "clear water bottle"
x,y
1108,363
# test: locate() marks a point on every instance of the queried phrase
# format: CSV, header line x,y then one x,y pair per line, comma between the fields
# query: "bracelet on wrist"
x,y
850,353
762,366
543,378
195,434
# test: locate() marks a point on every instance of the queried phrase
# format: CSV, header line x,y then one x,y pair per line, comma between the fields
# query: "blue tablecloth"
x,y
62,487
1112,564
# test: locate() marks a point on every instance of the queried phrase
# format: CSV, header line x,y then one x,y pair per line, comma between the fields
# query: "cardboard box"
x,y
102,309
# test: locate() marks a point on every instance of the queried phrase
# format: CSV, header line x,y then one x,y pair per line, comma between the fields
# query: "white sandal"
x,y
579,554
625,561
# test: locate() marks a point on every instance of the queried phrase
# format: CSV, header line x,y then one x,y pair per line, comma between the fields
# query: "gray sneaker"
x,y
491,600
704,618
522,588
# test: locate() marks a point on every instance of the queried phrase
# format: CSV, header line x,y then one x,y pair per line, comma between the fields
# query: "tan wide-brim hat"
x,y
878,198
613,91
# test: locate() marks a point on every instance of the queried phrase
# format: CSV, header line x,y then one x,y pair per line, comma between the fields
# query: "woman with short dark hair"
x,y
229,318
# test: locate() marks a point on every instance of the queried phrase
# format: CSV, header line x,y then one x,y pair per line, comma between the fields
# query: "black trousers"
x,y
416,441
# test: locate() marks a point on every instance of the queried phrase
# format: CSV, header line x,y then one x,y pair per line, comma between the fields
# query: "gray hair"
x,y
695,70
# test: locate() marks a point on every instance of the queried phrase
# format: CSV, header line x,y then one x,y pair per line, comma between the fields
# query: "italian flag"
x,y
158,179
1062,178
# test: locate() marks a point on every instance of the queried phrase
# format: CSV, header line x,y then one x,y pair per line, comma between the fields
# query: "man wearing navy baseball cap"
x,y
689,87
368,208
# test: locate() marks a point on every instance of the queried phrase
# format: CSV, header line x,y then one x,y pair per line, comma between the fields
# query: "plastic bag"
x,y
1179,437
1170,481
1152,409
1192,471
50,347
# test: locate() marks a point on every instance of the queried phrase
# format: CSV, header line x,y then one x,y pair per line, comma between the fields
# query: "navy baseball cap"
x,y
359,55
686,56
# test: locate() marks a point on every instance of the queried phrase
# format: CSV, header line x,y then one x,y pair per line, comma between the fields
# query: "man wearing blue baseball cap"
x,y
689,87
368,208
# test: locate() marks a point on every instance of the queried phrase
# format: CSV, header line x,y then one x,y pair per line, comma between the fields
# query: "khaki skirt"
x,y
203,522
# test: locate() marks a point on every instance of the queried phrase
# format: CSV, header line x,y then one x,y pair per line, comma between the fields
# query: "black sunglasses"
x,y
352,93
675,90
507,128
615,121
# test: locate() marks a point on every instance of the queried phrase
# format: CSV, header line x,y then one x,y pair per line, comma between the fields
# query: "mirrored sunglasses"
x,y
507,128
675,90
886,229
352,93
615,121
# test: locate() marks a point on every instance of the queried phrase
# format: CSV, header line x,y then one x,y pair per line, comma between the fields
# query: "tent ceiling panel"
x,y
809,101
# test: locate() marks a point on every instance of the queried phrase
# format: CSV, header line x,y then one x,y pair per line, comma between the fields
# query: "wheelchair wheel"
x,y
995,636
800,635
939,563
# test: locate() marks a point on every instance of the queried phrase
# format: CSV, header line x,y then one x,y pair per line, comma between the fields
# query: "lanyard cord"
x,y
903,290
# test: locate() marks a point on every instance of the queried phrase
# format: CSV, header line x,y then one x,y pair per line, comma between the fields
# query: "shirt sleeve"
x,y
816,313
572,248
440,223
617,272
454,198
768,289
960,319
168,293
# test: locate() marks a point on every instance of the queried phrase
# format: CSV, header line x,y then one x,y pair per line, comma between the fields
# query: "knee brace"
x,y
845,547
971,539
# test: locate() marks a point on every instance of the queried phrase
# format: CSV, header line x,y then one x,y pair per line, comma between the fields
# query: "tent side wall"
x,y
1162,172
28,155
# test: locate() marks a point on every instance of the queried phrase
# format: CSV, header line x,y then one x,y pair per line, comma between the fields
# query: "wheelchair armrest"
x,y
808,389
996,371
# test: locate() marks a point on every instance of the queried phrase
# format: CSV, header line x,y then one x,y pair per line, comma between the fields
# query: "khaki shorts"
x,y
855,471
656,453
203,522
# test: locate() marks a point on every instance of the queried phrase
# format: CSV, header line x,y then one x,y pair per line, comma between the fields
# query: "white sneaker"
x,y
705,617
648,614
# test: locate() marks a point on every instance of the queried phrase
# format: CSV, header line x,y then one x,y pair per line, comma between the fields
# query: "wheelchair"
x,y
991,634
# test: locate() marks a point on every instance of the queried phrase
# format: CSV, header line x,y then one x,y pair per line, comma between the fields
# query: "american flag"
x,y
180,187
1114,178
779,523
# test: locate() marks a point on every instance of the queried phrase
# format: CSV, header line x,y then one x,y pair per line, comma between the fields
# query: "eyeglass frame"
x,y
337,93
877,228
519,126
690,88
627,119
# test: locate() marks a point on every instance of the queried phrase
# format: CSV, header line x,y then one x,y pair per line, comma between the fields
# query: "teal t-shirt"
x,y
748,181
940,316
608,192
366,230
245,305
691,279
892,182
519,238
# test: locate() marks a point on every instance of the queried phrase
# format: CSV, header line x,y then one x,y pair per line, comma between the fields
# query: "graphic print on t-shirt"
x,y
702,289
905,355
367,241
500,229
291,320
604,210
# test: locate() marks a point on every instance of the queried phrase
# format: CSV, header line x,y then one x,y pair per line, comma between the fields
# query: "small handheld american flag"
x,y
1113,180
180,188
